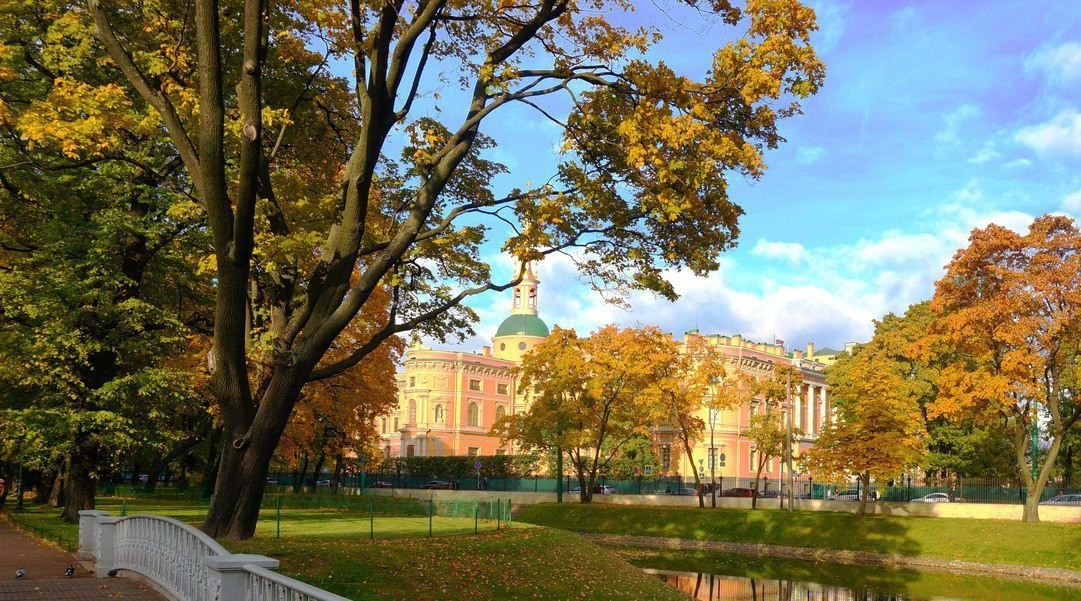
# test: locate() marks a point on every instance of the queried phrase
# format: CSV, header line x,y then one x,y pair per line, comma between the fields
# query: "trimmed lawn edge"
x,y
868,558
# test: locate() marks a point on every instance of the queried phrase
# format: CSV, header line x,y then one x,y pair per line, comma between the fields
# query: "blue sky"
x,y
936,117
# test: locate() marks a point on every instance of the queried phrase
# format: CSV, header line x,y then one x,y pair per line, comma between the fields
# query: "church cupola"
x,y
523,329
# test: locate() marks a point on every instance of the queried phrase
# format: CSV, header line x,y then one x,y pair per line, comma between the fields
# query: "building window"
x,y
474,385
500,412
500,452
409,452
395,424
502,346
412,412
532,298
474,451
753,409
384,425
473,416
521,346
440,414
666,457
412,381
502,389
754,459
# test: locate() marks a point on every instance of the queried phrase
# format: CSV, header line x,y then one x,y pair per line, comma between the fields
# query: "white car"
x,y
935,497
1074,500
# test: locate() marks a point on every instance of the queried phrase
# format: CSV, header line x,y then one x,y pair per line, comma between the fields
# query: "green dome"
x,y
522,325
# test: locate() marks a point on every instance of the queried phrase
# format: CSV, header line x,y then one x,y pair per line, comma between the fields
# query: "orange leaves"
x,y
1008,313
79,119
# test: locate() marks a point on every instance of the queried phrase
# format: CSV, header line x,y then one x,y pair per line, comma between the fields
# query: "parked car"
x,y
1073,500
438,485
272,481
935,497
598,489
769,494
682,491
847,495
324,482
381,484
739,492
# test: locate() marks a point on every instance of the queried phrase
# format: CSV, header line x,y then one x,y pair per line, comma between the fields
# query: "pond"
x,y
720,577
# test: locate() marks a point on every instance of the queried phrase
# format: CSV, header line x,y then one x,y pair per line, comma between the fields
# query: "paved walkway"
x,y
45,580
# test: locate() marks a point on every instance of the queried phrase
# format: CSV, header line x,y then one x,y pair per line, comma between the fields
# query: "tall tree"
x,y
98,283
686,377
878,429
1008,319
727,391
642,183
590,396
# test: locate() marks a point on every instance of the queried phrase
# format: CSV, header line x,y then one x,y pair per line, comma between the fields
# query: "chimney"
x,y
797,354
737,340
810,350
486,351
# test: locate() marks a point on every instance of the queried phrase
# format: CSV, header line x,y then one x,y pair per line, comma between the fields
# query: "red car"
x,y
739,492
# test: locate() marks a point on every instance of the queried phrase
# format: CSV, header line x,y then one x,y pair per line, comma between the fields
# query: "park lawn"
x,y
329,548
519,563
989,541
888,582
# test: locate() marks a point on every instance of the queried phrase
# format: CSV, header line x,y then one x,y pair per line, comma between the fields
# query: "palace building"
x,y
448,400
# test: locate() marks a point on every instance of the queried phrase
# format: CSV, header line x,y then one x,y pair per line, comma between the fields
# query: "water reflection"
x,y
713,587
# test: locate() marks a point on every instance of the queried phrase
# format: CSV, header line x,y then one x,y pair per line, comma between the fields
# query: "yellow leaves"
x,y
79,119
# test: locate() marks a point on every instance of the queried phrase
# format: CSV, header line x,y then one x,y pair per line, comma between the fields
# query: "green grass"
x,y
520,563
989,541
329,548
887,582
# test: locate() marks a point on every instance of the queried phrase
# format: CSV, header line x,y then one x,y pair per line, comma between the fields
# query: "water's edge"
x,y
1052,576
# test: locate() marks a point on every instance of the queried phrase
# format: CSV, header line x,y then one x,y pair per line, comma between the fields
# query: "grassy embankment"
x,y
329,548
876,582
987,541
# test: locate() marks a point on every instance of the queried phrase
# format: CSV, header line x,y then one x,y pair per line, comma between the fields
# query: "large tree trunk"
x,y
238,492
865,478
213,458
78,488
318,470
56,495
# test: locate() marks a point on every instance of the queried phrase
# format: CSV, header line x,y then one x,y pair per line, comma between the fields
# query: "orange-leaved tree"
x,y
1008,319
590,396
877,429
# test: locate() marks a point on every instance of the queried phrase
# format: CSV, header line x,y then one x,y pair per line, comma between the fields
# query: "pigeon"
x,y
112,573
19,573
69,571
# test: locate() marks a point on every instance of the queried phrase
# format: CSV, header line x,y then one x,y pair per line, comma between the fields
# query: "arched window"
x,y
412,412
500,412
532,298
517,298
473,417
440,414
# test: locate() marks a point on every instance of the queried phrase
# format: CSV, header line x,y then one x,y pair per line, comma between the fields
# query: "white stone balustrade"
x,y
183,562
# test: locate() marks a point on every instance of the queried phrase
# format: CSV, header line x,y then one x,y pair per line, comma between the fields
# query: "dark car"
x,y
769,494
682,491
438,485
739,492
381,484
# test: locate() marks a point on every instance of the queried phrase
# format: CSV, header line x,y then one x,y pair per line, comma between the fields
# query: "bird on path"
x,y
69,571
19,573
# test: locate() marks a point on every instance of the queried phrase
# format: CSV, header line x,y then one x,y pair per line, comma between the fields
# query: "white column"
x,y
88,533
226,577
106,545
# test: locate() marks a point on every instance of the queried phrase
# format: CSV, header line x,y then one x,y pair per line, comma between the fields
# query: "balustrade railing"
x,y
184,563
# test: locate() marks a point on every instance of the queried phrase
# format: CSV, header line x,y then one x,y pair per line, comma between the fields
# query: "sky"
x,y
936,117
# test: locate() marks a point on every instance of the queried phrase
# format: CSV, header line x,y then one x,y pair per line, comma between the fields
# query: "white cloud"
x,y
954,121
831,24
809,154
1072,203
985,154
792,252
1060,135
1060,64
1018,164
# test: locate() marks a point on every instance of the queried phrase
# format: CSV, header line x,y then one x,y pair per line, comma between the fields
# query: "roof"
x,y
522,325
827,351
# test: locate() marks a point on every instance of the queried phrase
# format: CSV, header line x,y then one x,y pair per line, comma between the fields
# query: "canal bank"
x,y
1055,576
